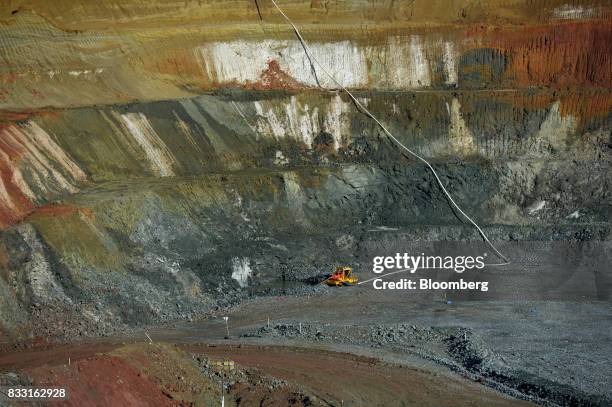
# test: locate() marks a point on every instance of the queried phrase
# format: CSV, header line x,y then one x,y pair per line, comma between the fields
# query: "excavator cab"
x,y
342,276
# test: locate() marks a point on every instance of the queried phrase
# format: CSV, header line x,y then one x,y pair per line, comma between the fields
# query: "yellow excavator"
x,y
342,276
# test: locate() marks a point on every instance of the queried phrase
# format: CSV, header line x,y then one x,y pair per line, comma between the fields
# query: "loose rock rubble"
x,y
458,348
248,385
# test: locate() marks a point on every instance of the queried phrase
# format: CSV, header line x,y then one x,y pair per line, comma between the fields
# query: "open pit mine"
x,y
305,203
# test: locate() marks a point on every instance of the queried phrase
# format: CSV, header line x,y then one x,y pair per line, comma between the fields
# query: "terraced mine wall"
x,y
149,173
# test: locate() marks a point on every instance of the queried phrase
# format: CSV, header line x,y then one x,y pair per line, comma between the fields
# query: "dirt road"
x,y
358,381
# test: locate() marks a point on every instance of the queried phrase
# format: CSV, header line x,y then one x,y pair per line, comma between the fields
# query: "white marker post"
x,y
226,326
224,366
222,391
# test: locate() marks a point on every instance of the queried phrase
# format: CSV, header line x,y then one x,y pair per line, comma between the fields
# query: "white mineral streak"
x,y
450,64
536,207
303,125
41,165
401,63
336,120
160,158
38,136
241,270
268,123
555,129
301,122
460,136
245,61
407,65
571,12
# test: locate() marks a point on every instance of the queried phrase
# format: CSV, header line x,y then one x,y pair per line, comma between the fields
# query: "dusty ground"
x,y
411,348
359,381
523,348
145,374
129,375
